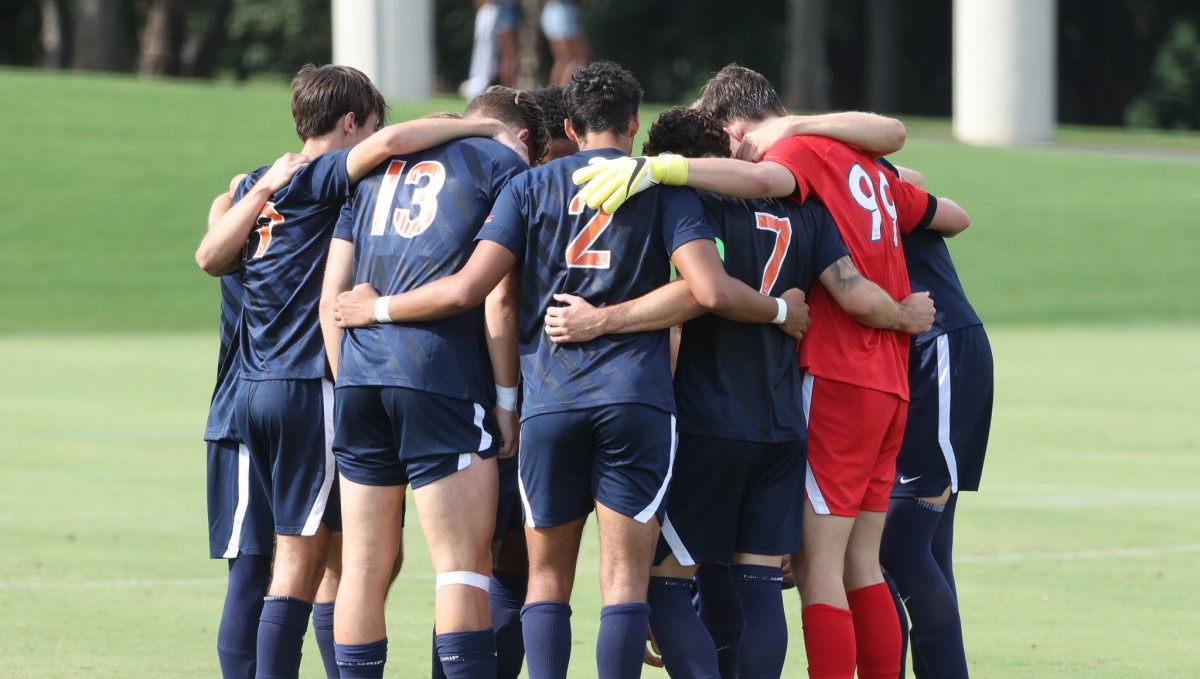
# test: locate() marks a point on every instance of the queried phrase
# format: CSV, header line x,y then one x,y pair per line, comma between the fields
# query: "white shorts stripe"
x,y
676,544
485,439
464,461
521,485
810,481
318,508
943,377
645,515
243,500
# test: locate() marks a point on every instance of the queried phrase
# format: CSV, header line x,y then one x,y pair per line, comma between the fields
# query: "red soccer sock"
x,y
877,630
829,642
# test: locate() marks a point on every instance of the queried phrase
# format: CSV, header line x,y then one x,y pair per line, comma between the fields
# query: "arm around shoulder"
x,y
949,219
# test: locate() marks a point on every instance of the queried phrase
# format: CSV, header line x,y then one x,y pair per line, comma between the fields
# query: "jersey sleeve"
x,y
326,178
506,223
683,218
801,158
345,223
914,207
827,242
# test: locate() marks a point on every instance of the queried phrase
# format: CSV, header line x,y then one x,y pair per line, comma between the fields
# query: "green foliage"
x,y
278,36
1172,98
1074,561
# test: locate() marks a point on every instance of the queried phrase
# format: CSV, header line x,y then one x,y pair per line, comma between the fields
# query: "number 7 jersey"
x,y
872,207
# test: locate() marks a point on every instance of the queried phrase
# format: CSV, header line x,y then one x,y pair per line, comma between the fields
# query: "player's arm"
x,y
425,133
871,305
221,249
501,312
454,294
875,134
339,275
911,176
608,184
579,321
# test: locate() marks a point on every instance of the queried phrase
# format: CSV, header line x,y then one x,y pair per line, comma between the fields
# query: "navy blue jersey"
x,y
741,381
930,268
283,267
413,220
565,247
221,421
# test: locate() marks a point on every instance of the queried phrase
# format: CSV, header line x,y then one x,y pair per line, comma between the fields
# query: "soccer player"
x,y
949,417
597,418
737,491
240,528
413,399
550,98
285,404
856,384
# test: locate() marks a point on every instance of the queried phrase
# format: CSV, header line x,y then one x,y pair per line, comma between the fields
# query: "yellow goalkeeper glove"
x,y
612,181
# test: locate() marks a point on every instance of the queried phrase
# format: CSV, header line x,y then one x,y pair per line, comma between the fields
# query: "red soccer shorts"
x,y
854,435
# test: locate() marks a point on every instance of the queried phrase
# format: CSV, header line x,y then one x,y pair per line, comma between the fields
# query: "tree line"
x,y
1120,62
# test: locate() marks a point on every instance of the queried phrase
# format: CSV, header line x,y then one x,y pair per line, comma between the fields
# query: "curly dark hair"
x,y
602,97
518,109
322,94
550,98
738,93
689,133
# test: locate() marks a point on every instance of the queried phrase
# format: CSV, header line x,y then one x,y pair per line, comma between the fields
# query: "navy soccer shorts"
x,y
949,415
618,455
239,516
509,514
733,497
394,436
288,427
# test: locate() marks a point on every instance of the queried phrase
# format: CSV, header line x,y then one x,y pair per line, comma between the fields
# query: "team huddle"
x,y
724,360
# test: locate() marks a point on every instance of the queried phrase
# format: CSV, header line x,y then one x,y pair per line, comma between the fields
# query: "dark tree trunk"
x,y
805,66
56,34
162,38
882,18
99,36
529,43
200,54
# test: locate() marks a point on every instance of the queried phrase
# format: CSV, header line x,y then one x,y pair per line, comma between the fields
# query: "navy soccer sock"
x,y
506,595
281,631
687,649
902,615
621,644
721,613
362,661
467,655
943,542
437,671
322,622
237,637
764,635
936,633
546,630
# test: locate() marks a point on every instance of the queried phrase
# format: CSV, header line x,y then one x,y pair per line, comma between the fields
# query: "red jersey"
x,y
871,207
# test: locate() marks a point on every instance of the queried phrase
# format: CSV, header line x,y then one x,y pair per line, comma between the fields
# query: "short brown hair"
x,y
738,93
516,108
687,132
601,97
322,94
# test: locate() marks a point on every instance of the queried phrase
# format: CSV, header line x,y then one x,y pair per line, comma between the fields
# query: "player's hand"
x,y
789,578
356,308
916,313
281,171
652,656
755,144
796,323
509,428
612,181
576,321
506,136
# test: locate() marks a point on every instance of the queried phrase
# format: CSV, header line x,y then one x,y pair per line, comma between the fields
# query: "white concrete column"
x,y
1004,71
389,40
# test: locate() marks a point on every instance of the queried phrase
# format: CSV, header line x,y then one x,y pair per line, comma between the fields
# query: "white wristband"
x,y
381,310
506,397
781,315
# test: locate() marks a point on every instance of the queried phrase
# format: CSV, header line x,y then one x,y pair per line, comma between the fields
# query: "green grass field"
x,y
1080,558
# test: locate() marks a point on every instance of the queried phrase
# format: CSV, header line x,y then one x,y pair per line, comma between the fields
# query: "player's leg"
x,y
684,643
555,488
322,615
631,468
721,613
902,616
483,52
506,43
510,574
828,624
768,527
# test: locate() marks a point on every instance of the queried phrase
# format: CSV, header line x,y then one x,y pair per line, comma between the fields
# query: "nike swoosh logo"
x,y
637,168
904,480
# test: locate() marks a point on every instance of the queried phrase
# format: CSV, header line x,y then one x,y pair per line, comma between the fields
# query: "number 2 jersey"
x,y
871,208
413,220
740,381
565,247
283,269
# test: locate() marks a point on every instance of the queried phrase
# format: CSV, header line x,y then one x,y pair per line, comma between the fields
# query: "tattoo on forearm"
x,y
846,275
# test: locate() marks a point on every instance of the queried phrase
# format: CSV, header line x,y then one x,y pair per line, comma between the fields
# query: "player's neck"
x,y
315,146
606,140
